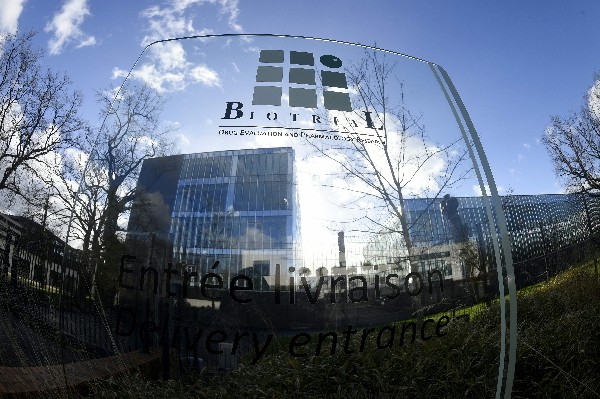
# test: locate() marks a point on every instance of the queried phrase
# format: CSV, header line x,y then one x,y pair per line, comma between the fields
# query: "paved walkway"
x,y
50,381
22,344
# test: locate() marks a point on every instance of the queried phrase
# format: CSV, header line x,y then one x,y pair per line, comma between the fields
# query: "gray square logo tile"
x,y
305,98
269,74
337,101
302,76
267,95
334,79
302,58
271,56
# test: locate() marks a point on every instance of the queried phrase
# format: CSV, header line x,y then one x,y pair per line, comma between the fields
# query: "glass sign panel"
x,y
249,198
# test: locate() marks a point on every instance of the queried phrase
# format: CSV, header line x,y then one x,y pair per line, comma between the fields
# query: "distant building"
x,y
34,253
537,225
237,207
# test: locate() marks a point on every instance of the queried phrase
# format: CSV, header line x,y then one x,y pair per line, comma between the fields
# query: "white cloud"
x,y
181,5
594,99
177,19
183,140
89,41
145,141
159,80
477,190
205,75
10,11
79,157
66,24
169,55
167,67
165,23
231,10
177,78
527,146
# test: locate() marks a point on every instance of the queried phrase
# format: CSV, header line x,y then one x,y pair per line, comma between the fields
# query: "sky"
x,y
515,64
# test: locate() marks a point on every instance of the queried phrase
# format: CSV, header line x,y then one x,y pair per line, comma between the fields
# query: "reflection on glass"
x,y
284,189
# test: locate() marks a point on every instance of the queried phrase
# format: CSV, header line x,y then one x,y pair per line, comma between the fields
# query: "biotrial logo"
x,y
295,74
302,88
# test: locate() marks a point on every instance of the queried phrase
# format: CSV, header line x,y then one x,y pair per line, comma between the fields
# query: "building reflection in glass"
x,y
238,207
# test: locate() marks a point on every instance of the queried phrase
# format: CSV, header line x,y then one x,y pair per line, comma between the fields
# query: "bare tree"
x,y
132,132
573,143
304,271
85,206
98,176
38,116
393,157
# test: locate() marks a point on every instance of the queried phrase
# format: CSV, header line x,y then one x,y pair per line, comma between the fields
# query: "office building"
x,y
237,207
537,225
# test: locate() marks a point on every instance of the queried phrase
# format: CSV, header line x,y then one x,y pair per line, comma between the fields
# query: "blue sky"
x,y
514,63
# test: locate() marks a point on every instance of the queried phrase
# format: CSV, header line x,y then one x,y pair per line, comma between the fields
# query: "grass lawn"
x,y
558,356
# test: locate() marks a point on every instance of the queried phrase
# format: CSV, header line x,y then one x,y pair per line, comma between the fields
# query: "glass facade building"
x,y
236,207
537,225
533,221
